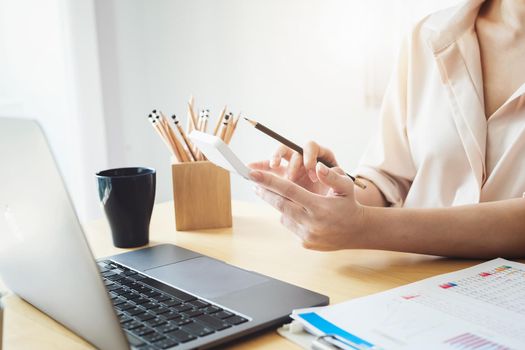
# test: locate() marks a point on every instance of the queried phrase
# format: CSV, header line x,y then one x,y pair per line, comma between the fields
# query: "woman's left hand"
x,y
323,222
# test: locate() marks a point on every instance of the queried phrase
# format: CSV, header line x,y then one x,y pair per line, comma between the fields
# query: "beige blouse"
x,y
435,146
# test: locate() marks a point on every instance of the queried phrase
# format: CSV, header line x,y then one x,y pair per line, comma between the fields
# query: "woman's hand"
x,y
300,168
323,222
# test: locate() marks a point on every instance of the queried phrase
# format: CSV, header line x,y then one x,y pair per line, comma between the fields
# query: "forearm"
x,y
473,231
370,196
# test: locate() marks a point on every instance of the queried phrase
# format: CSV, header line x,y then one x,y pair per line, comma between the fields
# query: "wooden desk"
x,y
256,242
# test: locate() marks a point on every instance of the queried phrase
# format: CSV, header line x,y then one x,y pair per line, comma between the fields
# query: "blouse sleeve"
x,y
387,161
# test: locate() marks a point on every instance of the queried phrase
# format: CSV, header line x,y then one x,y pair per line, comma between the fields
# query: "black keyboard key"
x,y
141,300
114,288
155,322
169,290
197,329
138,277
127,282
198,304
130,272
212,322
125,306
145,316
171,302
129,295
115,277
171,315
162,297
192,313
223,314
135,311
150,293
235,320
118,301
212,309
182,307
132,325
108,273
182,321
161,309
166,343
181,336
165,328
123,318
142,331
149,305
153,337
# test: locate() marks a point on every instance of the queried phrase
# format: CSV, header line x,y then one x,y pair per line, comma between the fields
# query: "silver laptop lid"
x,y
44,257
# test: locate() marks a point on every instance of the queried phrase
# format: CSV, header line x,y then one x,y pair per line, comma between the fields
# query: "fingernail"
x,y
312,175
323,169
256,176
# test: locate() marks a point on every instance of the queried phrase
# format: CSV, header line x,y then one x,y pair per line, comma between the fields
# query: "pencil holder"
x,y
201,196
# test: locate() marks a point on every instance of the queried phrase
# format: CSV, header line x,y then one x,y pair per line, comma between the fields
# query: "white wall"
x,y
304,68
91,70
49,72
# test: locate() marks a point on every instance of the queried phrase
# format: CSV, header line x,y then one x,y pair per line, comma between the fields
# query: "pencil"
x,y
184,138
219,121
172,149
192,120
171,135
232,127
205,117
296,147
224,127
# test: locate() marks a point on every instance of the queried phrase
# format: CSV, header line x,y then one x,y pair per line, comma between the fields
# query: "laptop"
x,y
160,297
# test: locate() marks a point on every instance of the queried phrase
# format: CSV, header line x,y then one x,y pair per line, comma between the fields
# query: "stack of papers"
x,y
482,307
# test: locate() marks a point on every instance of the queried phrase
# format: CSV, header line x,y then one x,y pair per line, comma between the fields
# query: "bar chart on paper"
x,y
469,341
482,308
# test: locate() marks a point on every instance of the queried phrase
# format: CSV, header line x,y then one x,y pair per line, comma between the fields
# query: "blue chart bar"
x,y
329,328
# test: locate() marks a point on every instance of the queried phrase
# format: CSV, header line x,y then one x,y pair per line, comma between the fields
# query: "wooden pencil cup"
x,y
201,196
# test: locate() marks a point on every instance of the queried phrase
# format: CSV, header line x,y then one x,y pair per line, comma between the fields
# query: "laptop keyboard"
x,y
157,316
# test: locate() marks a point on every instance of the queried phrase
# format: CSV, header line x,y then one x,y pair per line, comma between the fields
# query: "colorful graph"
x,y
471,341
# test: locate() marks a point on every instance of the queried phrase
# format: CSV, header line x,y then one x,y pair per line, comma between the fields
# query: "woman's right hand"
x,y
299,168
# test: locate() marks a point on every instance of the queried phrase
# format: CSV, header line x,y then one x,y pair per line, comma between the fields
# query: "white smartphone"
x,y
219,153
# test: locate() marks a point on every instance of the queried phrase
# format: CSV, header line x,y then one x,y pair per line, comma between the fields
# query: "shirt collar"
x,y
446,26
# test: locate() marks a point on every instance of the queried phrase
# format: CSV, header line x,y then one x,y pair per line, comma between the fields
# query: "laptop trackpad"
x,y
206,277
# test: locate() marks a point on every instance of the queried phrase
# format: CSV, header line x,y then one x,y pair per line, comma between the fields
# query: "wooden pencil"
x,y
184,138
168,144
296,147
219,121
172,137
224,127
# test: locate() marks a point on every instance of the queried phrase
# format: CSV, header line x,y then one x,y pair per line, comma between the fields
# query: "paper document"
x,y
482,307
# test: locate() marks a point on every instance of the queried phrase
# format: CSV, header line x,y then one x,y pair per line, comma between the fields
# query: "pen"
x,y
295,147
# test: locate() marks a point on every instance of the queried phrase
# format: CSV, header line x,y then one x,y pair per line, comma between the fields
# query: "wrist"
x,y
365,237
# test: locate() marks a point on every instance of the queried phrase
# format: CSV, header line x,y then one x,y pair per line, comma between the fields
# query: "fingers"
x,y
284,205
294,166
262,165
310,155
336,179
285,188
280,153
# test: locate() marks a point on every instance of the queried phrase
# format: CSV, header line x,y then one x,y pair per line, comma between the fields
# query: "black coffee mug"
x,y
127,195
